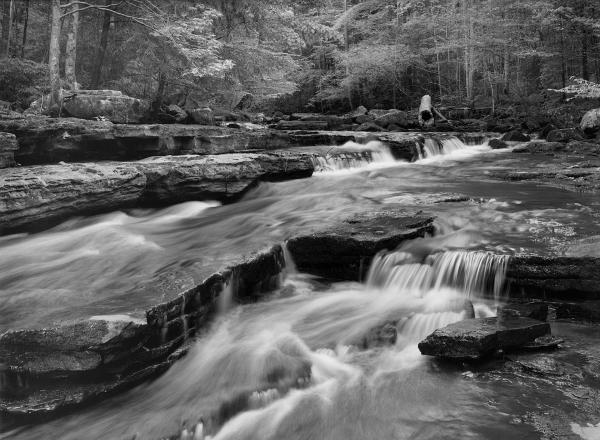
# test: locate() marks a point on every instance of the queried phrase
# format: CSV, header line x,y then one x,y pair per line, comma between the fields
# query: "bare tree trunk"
x,y
506,71
7,25
25,25
347,49
101,53
54,58
71,49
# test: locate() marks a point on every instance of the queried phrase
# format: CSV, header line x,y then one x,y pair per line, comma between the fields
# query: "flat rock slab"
x,y
474,339
345,251
41,196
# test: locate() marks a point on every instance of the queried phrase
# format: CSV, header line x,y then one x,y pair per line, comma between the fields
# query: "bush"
x,y
22,81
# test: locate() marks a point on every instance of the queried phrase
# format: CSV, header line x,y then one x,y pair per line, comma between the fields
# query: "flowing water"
x,y
290,367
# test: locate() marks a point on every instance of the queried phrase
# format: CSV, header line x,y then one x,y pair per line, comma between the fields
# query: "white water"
x,y
291,365
352,155
431,147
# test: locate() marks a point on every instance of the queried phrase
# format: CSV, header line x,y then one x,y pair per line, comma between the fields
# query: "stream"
x,y
289,367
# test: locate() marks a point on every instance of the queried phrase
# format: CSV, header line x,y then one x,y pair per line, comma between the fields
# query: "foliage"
x,y
581,89
22,81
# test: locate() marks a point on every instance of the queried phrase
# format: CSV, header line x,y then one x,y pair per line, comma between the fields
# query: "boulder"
x,y
369,126
109,104
396,117
515,136
361,110
376,113
173,114
546,130
565,135
245,102
203,116
362,119
8,146
497,144
590,123
474,339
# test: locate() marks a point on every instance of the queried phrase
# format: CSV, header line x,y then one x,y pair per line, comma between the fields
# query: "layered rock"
x,y
346,251
474,339
48,371
554,277
43,195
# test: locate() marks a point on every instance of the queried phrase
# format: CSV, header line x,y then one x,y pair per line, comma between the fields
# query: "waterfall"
x,y
432,146
475,274
352,155
447,282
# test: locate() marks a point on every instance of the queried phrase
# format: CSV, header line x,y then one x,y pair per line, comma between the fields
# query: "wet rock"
x,y
554,277
224,177
394,117
203,116
541,147
301,125
547,342
588,311
346,251
590,123
497,144
8,146
515,136
565,135
32,355
381,335
44,195
110,104
474,339
41,196
531,309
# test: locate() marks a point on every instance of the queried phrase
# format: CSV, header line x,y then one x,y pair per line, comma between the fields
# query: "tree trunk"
x,y
101,53
7,25
71,49
585,74
25,25
54,58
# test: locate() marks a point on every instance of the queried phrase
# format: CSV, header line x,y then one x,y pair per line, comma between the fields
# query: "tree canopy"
x,y
332,54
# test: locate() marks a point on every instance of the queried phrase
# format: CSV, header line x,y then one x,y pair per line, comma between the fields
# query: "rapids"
x,y
288,368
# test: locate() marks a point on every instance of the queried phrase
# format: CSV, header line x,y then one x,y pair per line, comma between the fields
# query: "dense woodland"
x,y
326,55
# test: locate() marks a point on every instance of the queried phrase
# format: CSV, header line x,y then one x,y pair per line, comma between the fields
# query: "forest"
x,y
331,55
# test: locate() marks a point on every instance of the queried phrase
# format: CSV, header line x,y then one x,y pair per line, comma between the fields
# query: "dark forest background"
x,y
328,56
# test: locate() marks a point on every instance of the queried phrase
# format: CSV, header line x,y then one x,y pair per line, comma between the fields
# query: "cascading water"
x,y
353,155
449,282
430,146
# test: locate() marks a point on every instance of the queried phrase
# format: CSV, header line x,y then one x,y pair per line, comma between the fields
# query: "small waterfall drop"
x,y
448,282
431,146
352,155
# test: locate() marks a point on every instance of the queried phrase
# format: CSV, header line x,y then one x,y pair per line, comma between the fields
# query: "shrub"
x,y
22,81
